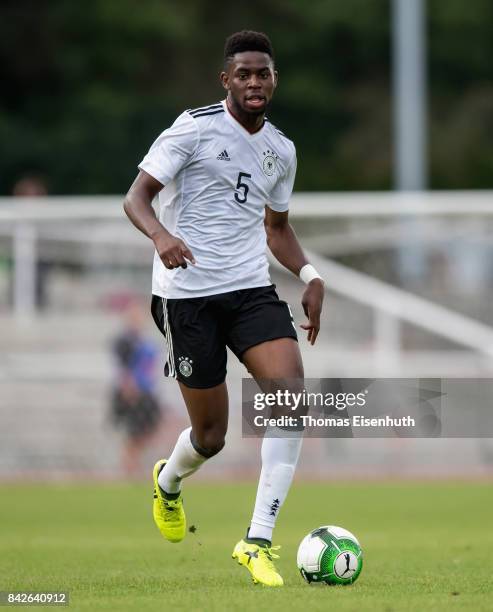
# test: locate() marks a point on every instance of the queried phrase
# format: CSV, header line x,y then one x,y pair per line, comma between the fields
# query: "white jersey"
x,y
218,178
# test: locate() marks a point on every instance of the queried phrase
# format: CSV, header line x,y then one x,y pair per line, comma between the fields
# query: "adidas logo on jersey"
x,y
223,156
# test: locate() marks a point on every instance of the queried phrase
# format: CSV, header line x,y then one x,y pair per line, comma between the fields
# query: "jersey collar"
x,y
237,125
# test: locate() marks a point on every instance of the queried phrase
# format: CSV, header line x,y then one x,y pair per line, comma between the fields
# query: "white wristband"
x,y
308,273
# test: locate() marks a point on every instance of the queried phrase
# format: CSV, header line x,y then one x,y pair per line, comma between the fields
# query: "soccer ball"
x,y
330,555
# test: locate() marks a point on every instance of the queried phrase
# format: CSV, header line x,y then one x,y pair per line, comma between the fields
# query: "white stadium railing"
x,y
23,218
316,204
392,306
55,368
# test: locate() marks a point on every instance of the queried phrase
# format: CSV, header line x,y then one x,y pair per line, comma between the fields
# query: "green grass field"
x,y
426,546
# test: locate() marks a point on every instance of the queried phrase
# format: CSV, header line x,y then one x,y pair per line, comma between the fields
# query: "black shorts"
x,y
198,330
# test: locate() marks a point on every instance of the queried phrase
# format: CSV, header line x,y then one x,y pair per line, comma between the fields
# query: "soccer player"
x,y
224,175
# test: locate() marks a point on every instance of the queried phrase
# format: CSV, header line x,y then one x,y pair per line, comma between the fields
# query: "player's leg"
x,y
275,361
263,336
197,359
208,411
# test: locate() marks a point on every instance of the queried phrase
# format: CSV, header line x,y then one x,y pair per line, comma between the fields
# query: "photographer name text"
x,y
357,420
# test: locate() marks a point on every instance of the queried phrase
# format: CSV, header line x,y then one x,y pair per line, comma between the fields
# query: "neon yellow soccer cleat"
x,y
169,515
259,562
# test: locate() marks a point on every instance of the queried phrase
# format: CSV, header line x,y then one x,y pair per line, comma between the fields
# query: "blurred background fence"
x,y
409,286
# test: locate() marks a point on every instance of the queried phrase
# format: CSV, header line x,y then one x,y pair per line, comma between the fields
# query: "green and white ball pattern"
x,y
330,555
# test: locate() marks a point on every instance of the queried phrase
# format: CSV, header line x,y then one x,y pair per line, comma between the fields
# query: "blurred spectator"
x,y
30,186
134,404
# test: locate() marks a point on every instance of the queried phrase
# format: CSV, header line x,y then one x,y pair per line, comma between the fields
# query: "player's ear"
x,y
224,78
276,78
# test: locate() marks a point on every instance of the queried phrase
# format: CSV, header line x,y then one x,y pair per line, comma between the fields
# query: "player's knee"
x,y
216,446
209,443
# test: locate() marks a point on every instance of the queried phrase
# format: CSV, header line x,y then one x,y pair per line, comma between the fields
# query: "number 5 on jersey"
x,y
242,188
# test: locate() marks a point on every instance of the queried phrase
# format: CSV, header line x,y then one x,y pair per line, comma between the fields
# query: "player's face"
x,y
250,81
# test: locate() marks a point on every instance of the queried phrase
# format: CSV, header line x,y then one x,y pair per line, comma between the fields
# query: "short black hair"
x,y
247,40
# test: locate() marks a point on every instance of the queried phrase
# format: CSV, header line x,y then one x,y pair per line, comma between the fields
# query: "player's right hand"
x,y
173,251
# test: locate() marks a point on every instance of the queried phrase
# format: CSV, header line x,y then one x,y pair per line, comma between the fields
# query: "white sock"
x,y
279,458
184,461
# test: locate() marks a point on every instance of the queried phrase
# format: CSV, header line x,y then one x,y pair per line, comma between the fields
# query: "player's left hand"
x,y
312,301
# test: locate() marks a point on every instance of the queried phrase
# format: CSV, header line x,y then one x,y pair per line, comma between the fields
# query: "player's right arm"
x,y
138,208
169,153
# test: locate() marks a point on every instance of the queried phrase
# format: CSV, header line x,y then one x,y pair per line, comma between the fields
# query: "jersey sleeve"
x,y
171,151
281,193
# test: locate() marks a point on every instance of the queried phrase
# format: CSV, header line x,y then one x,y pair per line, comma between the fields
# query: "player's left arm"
x,y
284,245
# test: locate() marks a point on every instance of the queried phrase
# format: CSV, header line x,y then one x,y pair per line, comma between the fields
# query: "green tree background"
x,y
86,87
